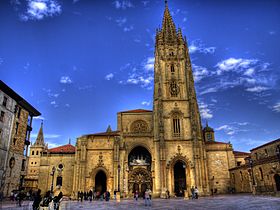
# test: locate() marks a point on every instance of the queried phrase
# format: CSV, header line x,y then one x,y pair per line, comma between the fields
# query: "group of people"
x,y
47,201
194,192
93,196
147,196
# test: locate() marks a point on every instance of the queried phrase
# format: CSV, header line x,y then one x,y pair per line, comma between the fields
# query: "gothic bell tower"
x,y
177,125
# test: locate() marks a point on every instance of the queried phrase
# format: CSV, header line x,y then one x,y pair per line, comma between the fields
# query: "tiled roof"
x,y
136,111
65,149
112,133
215,142
271,142
238,153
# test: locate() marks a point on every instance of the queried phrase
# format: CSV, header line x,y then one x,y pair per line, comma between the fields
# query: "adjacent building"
x,y
16,116
261,172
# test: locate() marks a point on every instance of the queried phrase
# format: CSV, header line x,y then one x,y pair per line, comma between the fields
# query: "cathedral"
x,y
164,149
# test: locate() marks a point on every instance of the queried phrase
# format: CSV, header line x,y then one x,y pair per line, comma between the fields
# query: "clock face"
x,y
174,89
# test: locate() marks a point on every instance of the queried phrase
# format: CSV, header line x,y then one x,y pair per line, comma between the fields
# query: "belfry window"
x,y
174,89
176,127
172,68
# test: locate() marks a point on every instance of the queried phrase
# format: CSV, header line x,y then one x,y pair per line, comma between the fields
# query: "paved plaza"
x,y
226,202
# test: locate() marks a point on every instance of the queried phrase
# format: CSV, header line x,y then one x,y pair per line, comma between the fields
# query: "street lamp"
x,y
52,174
119,170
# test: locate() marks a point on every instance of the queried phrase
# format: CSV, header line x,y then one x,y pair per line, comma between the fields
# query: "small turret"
x,y
208,133
40,138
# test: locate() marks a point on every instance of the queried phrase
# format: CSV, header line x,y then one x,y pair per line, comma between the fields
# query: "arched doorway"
x,y
100,182
277,181
179,178
139,164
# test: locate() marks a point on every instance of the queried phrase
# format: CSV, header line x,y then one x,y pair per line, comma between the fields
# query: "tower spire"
x,y
40,136
168,26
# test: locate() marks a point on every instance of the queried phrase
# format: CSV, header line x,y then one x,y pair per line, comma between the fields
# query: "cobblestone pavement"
x,y
222,202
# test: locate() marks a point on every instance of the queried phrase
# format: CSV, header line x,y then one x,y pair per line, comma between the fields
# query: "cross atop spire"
x,y
40,138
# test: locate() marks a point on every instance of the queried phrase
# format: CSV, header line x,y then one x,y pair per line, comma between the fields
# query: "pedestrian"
x,y
47,199
107,195
85,196
136,194
115,194
37,200
20,197
78,196
81,196
167,194
90,195
196,192
1,196
94,195
147,198
192,191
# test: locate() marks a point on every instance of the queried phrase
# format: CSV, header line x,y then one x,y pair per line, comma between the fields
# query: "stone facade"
x,y
261,172
160,149
17,125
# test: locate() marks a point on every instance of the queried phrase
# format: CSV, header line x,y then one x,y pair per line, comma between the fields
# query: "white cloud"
x,y
146,103
149,64
256,89
53,102
227,129
109,76
65,80
1,60
39,9
232,64
209,90
198,46
199,72
120,21
47,136
127,29
276,107
249,72
145,3
122,4
67,105
205,112
52,145
39,118
184,19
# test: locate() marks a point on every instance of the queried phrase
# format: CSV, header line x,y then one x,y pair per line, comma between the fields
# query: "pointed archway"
x,y
179,178
277,181
100,182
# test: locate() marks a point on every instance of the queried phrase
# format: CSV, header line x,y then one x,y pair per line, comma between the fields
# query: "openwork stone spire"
x,y
168,26
40,137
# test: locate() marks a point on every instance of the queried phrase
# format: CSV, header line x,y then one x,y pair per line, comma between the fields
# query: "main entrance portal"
x,y
100,182
179,179
140,178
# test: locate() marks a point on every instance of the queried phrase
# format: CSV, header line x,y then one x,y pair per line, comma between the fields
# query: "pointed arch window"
x,y
172,68
176,124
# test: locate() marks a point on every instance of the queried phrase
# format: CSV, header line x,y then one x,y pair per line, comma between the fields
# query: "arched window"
x,y
59,181
32,152
172,68
37,153
261,173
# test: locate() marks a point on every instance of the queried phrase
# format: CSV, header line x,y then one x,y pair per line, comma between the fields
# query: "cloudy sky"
x,y
80,62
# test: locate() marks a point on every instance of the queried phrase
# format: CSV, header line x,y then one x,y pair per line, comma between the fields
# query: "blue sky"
x,y
80,62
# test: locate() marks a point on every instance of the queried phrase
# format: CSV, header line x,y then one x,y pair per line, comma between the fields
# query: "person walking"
x,y
90,196
196,192
115,194
136,194
192,191
37,200
147,198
